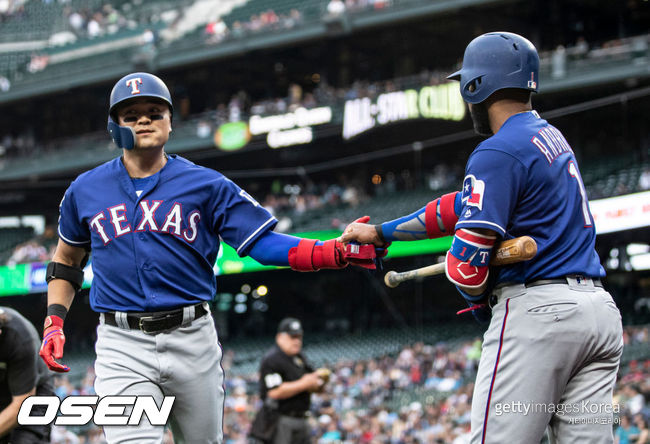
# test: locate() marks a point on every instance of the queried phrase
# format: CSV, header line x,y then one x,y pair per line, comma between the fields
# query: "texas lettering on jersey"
x,y
174,222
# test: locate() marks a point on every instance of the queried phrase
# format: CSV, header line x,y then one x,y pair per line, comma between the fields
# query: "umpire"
x,y
286,383
22,374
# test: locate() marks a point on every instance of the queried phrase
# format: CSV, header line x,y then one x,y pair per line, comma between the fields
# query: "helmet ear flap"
x,y
123,136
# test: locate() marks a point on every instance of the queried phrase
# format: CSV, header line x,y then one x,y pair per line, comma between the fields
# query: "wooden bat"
x,y
507,252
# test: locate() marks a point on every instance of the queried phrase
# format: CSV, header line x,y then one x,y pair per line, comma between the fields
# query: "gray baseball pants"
x,y
550,356
185,363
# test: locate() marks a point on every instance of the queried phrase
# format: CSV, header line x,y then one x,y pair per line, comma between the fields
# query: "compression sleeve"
x,y
413,226
272,248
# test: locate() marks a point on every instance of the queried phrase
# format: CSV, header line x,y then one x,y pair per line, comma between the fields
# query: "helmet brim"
x,y
454,76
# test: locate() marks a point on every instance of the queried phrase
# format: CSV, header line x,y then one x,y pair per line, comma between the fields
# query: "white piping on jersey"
x,y
68,240
482,222
271,219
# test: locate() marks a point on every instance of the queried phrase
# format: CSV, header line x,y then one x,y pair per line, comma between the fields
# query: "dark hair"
x,y
516,94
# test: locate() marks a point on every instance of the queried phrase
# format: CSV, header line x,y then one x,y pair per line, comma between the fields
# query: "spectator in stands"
x,y
635,400
30,251
644,179
641,423
627,433
5,84
558,61
24,374
335,8
216,31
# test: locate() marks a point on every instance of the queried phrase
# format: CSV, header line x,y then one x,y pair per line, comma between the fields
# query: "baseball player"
x,y
553,345
154,223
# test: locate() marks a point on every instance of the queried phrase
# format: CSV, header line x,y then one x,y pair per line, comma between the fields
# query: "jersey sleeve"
x,y
238,218
493,181
270,376
72,230
22,371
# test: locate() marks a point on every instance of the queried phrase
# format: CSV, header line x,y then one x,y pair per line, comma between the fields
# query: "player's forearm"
x,y
61,292
273,248
9,416
428,222
8,419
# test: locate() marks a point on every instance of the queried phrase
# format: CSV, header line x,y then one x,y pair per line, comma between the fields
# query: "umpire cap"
x,y
291,326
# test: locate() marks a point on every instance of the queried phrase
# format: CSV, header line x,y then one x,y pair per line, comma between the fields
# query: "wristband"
x,y
57,310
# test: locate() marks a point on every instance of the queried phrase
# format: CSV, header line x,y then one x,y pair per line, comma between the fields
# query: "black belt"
x,y
597,282
156,322
301,415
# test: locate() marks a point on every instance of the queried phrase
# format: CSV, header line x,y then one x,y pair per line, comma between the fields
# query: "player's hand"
x,y
52,346
361,232
366,256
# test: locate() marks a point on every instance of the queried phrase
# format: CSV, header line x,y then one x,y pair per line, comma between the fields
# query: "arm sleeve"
x,y
413,226
72,230
270,377
21,370
272,248
493,182
238,218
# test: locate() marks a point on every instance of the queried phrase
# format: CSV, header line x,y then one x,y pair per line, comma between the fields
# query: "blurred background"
x,y
325,111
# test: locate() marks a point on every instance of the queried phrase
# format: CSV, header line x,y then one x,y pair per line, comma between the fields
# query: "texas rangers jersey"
x,y
157,250
524,180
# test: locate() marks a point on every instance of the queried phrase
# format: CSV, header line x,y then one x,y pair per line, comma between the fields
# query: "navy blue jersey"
x,y
524,180
157,250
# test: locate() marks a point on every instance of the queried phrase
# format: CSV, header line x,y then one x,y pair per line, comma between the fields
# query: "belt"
x,y
564,280
156,322
300,415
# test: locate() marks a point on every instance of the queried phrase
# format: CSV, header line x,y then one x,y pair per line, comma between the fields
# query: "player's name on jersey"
x,y
114,220
551,143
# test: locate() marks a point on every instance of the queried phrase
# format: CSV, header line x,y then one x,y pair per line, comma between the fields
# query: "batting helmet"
x,y
132,86
494,61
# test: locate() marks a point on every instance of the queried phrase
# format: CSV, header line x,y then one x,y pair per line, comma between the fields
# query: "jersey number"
x,y
573,171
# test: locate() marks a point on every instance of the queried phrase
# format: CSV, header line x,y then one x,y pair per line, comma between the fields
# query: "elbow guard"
x,y
57,270
467,261
440,216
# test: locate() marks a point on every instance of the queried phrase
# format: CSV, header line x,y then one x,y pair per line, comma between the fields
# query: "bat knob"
x,y
390,280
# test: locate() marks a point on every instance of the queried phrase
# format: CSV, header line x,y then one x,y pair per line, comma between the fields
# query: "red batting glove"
x,y
52,346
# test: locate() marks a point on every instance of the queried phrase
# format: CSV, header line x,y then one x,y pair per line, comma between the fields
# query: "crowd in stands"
x,y
268,20
86,23
364,401
11,8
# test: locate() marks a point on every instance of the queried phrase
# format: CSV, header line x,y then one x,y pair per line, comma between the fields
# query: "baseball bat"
x,y
507,252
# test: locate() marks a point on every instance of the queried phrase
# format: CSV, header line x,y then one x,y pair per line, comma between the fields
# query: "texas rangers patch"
x,y
473,191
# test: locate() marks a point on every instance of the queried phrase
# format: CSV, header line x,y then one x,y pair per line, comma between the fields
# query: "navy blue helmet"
x,y
494,61
132,86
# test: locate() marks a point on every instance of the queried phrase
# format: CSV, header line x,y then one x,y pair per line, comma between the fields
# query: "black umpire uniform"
x,y
278,367
21,371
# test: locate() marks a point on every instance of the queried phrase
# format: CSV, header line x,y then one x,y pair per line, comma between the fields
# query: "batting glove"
x,y
52,346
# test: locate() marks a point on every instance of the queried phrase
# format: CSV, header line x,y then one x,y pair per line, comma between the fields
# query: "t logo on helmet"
x,y
133,83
